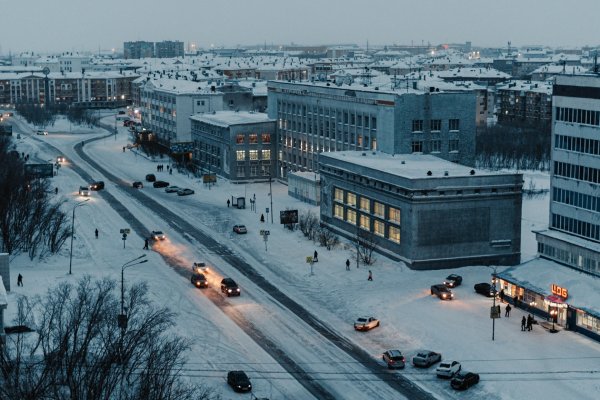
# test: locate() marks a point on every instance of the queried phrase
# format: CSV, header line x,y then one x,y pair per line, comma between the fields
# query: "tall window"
x,y
436,125
365,222
351,199
454,124
394,234
338,211
379,228
417,146
266,154
241,172
240,155
436,145
365,204
378,209
453,145
394,215
253,170
265,137
239,139
254,154
338,195
351,216
417,125
253,138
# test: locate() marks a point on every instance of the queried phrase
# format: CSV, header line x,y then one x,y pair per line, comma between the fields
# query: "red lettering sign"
x,y
559,291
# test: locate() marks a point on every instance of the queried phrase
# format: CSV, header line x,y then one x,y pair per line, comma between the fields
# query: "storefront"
x,y
552,291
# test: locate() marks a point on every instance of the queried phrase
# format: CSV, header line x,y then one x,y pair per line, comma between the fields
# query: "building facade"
x,y
525,102
239,146
423,210
316,117
168,49
139,49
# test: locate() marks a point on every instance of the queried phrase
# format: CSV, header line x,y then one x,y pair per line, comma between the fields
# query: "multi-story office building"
x,y
138,49
239,146
420,209
168,49
316,117
73,62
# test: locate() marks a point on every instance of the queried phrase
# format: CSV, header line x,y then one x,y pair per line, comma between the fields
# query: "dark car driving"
x,y
97,185
239,381
199,280
160,184
442,292
453,280
485,289
464,380
150,178
229,287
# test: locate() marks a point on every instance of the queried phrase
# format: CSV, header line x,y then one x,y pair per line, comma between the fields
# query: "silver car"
x,y
426,358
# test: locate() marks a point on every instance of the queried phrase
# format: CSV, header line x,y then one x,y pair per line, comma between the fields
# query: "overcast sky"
x,y
72,25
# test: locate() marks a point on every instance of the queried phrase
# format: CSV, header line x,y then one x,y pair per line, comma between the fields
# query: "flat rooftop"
x,y
229,118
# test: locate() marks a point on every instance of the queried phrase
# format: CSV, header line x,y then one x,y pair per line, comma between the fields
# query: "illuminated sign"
x,y
559,291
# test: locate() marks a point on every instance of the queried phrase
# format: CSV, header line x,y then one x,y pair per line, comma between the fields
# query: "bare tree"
x,y
327,238
308,223
366,243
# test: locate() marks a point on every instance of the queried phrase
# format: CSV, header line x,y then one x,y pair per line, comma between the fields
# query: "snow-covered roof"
x,y
558,69
539,274
228,118
527,86
313,176
473,74
178,86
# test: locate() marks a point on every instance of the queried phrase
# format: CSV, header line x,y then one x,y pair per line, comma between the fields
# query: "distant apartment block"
x,y
138,49
524,102
168,49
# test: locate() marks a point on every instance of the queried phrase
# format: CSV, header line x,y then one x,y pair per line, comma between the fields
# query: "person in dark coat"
x,y
20,280
56,191
347,264
529,322
523,323
316,257
145,244
262,217
96,233
507,311
502,295
370,278
228,203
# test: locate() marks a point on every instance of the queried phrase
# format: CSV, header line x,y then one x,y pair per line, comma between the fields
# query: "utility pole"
x,y
271,196
73,232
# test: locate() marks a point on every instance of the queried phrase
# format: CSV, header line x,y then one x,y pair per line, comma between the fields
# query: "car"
x,y
464,380
366,323
97,185
394,359
442,292
44,133
426,358
485,289
229,287
185,192
453,280
60,159
200,267
172,189
150,178
157,235
137,185
199,280
239,381
84,191
448,369
240,229
160,184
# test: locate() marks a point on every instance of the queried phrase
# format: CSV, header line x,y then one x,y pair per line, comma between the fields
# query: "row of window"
x,y
341,116
578,144
243,155
255,170
588,322
575,226
578,172
253,138
586,264
435,125
576,199
367,205
586,117
364,222
417,146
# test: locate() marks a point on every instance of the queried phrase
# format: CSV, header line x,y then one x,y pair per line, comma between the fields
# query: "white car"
x,y
200,267
366,323
158,235
44,133
447,369
172,189
84,191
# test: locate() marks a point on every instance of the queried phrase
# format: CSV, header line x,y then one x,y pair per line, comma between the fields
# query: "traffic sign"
x,y
264,232
127,231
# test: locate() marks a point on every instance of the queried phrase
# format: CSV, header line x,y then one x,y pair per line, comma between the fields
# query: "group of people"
x,y
161,167
527,323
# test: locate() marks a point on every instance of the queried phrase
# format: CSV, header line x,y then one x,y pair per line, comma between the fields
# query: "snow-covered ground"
x,y
515,365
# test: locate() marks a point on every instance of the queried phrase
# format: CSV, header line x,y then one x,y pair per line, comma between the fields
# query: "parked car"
x,y
160,184
394,359
185,192
453,280
200,267
84,191
426,358
97,185
199,280
44,133
485,289
464,380
150,178
158,235
448,369
366,323
137,185
240,229
239,381
442,292
172,189
229,287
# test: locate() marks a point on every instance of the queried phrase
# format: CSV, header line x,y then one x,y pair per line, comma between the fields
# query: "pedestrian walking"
x,y
523,323
96,233
347,264
529,322
228,203
507,311
55,190
262,218
316,257
145,244
20,280
370,278
170,171
502,295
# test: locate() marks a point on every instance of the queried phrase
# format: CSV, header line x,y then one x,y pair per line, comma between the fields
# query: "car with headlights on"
x,y
442,292
229,287
172,189
426,358
84,191
464,380
43,133
394,359
453,280
239,381
447,369
200,267
97,185
199,280
137,185
158,235
366,323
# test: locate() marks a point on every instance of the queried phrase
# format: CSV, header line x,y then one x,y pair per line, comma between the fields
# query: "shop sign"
x,y
559,291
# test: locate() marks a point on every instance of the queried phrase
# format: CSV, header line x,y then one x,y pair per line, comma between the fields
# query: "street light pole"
x,y
271,196
123,268
73,232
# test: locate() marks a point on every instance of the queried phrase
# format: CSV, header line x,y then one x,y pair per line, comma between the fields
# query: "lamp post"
x,y
128,264
73,232
271,195
494,279
553,314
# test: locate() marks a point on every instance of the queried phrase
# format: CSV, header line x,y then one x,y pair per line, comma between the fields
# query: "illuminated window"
x,y
239,139
254,154
378,209
351,199
266,154
253,138
365,222
394,234
351,216
365,204
338,211
394,215
240,155
379,228
338,195
265,137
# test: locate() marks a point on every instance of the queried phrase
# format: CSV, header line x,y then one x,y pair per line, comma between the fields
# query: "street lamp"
x,y
128,264
73,232
493,314
271,195
553,315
